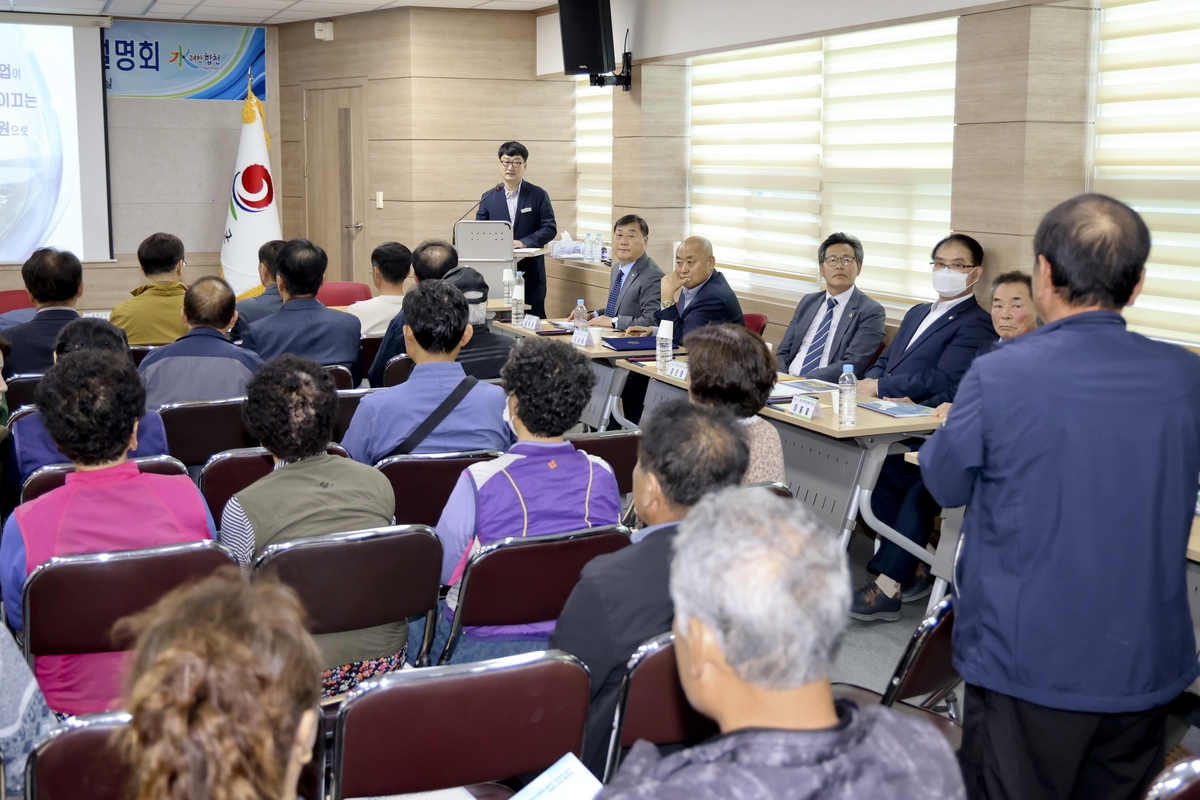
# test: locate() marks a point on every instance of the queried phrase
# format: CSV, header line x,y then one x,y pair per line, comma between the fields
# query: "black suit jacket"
x,y
858,334
486,353
714,303
929,371
535,226
33,341
622,599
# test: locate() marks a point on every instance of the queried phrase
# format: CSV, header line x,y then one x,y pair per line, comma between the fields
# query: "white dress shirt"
x,y
513,198
936,311
376,313
838,309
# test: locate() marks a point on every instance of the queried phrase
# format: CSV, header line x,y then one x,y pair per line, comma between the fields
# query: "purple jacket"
x,y
874,753
536,489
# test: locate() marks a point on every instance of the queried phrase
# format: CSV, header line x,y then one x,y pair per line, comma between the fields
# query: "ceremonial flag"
x,y
253,218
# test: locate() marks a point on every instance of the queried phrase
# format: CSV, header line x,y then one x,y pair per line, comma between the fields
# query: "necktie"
x,y
816,348
610,310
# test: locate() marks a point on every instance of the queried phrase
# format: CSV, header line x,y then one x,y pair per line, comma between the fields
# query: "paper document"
x,y
458,793
568,779
897,409
784,391
525,251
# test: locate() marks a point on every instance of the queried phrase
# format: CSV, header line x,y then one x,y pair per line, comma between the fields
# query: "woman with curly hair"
x,y
222,693
731,367
91,401
291,407
542,486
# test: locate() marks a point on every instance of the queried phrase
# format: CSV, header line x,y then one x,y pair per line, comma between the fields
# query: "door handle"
x,y
357,226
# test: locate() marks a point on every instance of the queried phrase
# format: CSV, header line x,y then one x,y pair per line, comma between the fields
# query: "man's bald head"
x,y
433,259
210,303
694,261
1096,248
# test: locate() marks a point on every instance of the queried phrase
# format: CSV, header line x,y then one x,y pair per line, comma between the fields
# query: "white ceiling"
x,y
248,11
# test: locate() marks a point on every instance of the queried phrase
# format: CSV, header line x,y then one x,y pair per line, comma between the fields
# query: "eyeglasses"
x,y
951,264
504,162
833,261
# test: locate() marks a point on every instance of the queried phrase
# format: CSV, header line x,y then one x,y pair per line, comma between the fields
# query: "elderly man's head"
x,y
685,452
210,303
1091,253
91,401
694,261
291,407
1012,304
761,592
436,321
433,259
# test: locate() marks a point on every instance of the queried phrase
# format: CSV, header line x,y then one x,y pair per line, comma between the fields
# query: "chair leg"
x,y
940,586
422,659
952,709
629,516
451,642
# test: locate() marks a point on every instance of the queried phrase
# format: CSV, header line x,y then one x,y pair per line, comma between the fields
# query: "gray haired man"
x,y
761,592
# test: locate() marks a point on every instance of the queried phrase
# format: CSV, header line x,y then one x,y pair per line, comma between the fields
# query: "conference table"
x,y
603,405
831,467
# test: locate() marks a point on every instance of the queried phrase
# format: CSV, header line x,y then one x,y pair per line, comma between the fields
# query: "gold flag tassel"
x,y
252,104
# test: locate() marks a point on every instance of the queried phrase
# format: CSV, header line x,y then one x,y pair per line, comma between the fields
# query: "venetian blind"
x,y
593,158
853,132
1147,149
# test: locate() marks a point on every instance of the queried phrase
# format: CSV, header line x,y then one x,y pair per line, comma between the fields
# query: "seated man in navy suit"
x,y
694,294
303,326
528,208
54,281
932,350
840,325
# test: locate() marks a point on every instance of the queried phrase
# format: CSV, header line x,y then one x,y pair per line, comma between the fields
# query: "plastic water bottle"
x,y
666,333
580,315
847,396
518,299
587,248
508,288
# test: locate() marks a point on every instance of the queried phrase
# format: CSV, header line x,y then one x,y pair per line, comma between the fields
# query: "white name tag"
x,y
805,407
583,338
526,210
531,322
677,369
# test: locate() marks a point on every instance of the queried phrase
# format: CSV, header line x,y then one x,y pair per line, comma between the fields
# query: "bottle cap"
x,y
666,329
847,368
520,273
579,301
508,276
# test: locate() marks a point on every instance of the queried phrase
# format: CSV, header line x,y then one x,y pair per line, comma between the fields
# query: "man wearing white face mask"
x,y
936,342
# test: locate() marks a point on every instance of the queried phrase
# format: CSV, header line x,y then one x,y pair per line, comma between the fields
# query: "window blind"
x,y
855,132
1147,150
593,159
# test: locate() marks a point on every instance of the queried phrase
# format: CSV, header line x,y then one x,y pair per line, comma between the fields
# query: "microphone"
x,y
498,187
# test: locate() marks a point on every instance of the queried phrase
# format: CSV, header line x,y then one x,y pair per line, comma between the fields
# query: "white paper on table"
x,y
568,779
525,251
458,793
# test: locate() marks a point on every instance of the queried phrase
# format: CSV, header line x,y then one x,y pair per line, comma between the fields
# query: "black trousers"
x,y
1016,750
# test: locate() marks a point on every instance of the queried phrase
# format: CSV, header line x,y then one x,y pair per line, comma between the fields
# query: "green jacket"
x,y
154,315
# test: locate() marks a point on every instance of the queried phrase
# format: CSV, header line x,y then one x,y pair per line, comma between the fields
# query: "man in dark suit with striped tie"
x,y
840,325
636,289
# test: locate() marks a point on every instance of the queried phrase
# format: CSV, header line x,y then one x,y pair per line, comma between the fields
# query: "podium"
x,y
486,246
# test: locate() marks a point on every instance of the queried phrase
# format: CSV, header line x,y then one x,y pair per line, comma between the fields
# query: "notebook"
x,y
633,343
897,409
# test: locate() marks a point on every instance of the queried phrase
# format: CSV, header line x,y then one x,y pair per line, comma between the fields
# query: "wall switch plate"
x,y
379,199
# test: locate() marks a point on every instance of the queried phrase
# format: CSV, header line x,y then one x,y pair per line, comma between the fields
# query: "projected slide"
x,y
40,201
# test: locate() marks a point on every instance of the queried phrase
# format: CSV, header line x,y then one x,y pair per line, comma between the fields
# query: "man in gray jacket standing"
x,y
761,591
634,294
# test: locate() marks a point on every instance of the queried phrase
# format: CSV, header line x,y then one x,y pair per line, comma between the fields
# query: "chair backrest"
x,y
72,602
226,474
397,370
618,448
370,349
651,704
79,761
52,476
198,430
925,667
348,401
140,351
13,299
423,483
520,581
342,378
427,729
21,389
343,293
755,322
1178,782
20,413
878,351
350,581
775,487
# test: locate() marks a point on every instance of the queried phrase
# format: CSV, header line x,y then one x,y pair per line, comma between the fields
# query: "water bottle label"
x,y
805,407
677,370
582,337
531,322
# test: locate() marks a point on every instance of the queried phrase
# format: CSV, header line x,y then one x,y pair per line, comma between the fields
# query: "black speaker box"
x,y
587,39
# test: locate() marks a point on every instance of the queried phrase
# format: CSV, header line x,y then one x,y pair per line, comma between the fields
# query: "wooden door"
x,y
335,179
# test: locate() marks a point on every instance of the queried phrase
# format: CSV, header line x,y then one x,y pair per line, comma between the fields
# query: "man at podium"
x,y
528,208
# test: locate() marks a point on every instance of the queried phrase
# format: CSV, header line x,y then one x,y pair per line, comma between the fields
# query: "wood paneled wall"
x,y
444,88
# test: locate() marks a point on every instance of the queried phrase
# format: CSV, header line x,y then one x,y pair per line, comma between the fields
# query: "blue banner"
x,y
197,62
